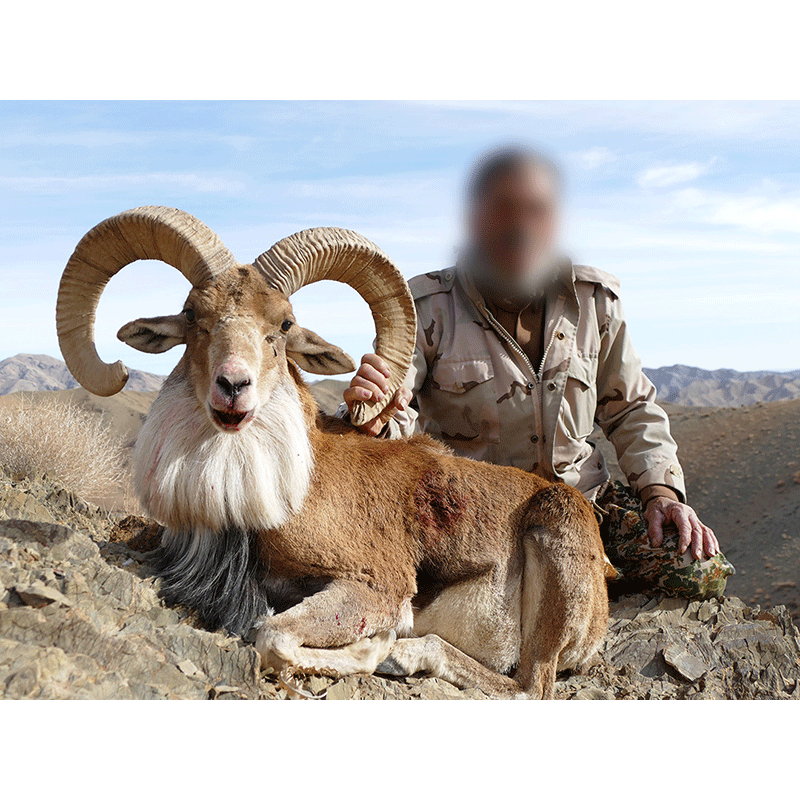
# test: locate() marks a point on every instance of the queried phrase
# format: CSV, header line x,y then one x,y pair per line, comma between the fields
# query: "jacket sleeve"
x,y
627,411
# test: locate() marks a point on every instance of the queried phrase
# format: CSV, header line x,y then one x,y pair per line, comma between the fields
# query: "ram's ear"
x,y
154,334
313,354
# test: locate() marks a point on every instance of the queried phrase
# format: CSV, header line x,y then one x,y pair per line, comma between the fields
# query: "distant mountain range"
x,y
680,385
691,386
28,373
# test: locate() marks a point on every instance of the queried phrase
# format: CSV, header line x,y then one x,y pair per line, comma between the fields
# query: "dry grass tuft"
x,y
71,443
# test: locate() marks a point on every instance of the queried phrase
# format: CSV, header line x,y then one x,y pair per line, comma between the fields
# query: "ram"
x,y
352,554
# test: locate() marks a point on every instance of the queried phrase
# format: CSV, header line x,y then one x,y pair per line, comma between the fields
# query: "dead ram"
x,y
339,544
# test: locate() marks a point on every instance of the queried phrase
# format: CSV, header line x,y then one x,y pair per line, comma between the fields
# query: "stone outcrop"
x,y
80,617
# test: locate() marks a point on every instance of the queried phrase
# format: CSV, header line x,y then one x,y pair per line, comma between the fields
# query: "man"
x,y
520,354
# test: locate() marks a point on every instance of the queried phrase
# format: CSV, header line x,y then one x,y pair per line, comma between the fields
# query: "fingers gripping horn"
x,y
150,232
334,254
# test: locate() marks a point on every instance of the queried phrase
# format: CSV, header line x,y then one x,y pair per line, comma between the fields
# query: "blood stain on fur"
x,y
440,505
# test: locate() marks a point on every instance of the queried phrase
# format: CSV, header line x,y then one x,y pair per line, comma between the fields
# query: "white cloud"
x,y
660,177
593,157
682,240
61,184
749,211
414,188
738,120
98,138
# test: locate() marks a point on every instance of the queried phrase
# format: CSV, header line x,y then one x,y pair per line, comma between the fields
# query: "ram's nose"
x,y
231,389
232,397
232,381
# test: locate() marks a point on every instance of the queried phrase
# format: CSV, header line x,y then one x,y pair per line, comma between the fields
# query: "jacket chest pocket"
x,y
463,401
579,405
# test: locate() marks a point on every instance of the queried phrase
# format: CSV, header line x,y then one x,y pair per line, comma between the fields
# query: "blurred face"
x,y
514,225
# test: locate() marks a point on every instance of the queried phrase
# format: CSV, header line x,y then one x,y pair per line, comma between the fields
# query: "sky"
x,y
695,206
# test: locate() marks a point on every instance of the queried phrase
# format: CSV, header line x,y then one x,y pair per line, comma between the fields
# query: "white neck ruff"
x,y
191,476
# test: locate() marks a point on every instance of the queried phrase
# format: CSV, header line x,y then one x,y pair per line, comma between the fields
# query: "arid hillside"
x,y
744,473
743,476
678,384
34,373
80,617
691,386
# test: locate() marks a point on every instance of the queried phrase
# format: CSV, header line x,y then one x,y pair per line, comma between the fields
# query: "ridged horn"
x,y
151,232
334,254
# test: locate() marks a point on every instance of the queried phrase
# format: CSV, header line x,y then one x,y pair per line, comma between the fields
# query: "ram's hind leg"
x,y
434,656
564,600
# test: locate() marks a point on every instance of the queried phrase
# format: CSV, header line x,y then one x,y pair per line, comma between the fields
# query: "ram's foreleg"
x,y
345,629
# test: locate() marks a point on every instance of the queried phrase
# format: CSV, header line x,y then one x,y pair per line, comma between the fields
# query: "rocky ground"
x,y
80,618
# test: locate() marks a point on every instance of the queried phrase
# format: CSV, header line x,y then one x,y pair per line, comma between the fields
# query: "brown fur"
x,y
384,514
504,570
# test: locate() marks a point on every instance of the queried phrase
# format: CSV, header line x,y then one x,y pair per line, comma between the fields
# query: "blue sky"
x,y
694,206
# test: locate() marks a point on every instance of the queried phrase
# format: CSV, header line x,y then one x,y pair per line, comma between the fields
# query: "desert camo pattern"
x,y
475,389
642,567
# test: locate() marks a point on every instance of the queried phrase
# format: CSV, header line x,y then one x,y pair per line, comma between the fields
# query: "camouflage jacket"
x,y
476,390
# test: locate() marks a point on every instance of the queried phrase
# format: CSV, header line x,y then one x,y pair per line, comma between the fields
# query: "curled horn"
x,y
150,232
334,254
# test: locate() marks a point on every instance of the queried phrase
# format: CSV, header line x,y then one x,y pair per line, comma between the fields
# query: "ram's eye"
x,y
286,324
189,314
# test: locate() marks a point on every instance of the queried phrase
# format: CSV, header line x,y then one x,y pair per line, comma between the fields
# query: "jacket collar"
x,y
563,283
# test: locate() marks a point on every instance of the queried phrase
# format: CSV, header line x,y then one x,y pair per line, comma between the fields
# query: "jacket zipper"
x,y
537,400
503,333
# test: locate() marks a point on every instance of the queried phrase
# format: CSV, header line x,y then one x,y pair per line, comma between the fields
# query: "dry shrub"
x,y
71,443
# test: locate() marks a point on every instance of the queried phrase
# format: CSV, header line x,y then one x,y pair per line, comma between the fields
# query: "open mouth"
x,y
230,420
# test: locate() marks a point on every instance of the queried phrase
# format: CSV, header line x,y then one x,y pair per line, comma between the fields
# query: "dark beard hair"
x,y
493,285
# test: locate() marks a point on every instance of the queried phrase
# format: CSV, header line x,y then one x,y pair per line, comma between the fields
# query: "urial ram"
x,y
356,554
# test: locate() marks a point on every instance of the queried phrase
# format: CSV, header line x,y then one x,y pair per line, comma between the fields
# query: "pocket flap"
x,y
458,377
583,370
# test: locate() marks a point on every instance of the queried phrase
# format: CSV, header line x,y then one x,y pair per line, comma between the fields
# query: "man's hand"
x,y
371,382
691,532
